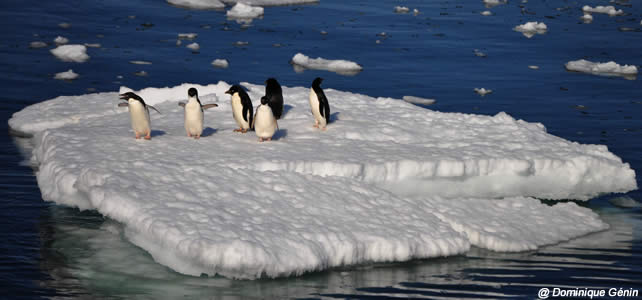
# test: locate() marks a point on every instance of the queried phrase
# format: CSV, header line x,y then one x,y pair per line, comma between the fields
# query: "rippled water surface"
x,y
50,251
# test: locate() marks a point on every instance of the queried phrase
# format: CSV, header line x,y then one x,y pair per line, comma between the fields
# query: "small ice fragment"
x,y
187,36
178,43
64,25
401,9
94,45
531,28
244,11
418,100
382,34
625,202
140,62
119,76
68,75
131,17
524,1
587,18
415,11
194,47
378,42
141,73
71,53
486,13
609,10
323,32
492,3
197,4
482,91
533,67
241,44
37,44
479,53
59,40
220,63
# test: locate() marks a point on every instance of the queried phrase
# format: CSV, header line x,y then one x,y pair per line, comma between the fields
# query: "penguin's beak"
x,y
123,96
229,92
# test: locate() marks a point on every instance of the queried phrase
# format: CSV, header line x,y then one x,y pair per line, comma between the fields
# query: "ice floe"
x,y
220,63
64,25
482,91
68,75
140,62
194,47
625,202
486,13
388,181
401,10
610,68
197,4
529,29
586,18
244,11
71,53
37,44
493,3
271,2
418,100
339,66
59,40
92,45
609,10
187,36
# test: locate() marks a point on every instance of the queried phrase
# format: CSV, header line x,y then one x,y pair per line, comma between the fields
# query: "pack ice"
x,y
388,181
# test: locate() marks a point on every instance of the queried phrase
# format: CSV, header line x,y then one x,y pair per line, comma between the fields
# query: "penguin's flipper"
x,y
181,104
206,106
324,106
154,108
253,120
123,104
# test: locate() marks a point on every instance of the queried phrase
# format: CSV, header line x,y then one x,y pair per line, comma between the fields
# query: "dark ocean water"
x,y
52,251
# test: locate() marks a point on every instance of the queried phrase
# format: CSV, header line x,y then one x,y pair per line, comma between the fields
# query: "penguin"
x,y
139,113
194,114
265,124
242,109
274,96
319,105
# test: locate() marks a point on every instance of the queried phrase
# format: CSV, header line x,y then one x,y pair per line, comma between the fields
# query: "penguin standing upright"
x,y
194,114
264,121
274,96
242,109
319,104
139,113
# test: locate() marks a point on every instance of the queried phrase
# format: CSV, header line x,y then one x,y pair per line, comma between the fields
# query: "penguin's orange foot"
x,y
238,130
260,140
269,139
315,125
324,128
197,137
148,136
243,130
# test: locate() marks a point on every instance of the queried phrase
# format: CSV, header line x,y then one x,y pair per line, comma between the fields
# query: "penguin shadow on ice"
x,y
139,115
194,115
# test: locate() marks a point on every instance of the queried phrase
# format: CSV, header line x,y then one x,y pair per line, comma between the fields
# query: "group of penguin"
x,y
263,122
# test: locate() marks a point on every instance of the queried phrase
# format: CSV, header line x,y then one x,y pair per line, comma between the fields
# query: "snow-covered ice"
x,y
625,202
220,63
244,11
71,53
140,62
92,45
529,29
194,47
418,100
388,181
586,18
198,4
610,68
270,2
60,40
37,44
401,10
493,3
340,66
486,13
68,75
482,91
609,10
220,4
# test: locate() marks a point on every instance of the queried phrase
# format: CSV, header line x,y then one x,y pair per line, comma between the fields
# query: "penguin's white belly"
x,y
237,111
193,118
314,106
265,123
140,118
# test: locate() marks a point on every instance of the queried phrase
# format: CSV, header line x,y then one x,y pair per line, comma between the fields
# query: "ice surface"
x,y
339,66
244,11
625,202
486,13
197,4
388,181
270,2
609,10
220,63
529,29
194,47
59,40
401,10
493,3
418,100
610,68
71,53
37,44
587,18
68,75
482,91
187,36
140,62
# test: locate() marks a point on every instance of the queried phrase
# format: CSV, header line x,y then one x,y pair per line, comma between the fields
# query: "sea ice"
x,y
387,181
609,10
529,29
344,67
244,11
37,44
194,47
220,63
587,18
270,2
610,68
486,13
71,53
92,45
482,91
59,40
139,62
401,10
493,3
187,36
197,4
68,75
64,25
418,100
625,202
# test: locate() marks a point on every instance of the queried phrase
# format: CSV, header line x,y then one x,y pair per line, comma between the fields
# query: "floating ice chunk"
x,y
478,53
587,18
194,47
244,11
187,36
59,40
531,28
220,63
610,68
71,53
486,13
270,2
141,73
93,45
610,10
197,4
68,75
533,67
241,43
625,202
401,10
37,44
343,67
482,91
493,3
418,100
64,25
415,11
140,62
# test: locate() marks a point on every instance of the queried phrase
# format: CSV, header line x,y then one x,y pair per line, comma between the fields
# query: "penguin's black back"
x,y
275,97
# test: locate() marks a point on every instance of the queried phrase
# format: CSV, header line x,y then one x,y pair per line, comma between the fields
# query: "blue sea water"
x,y
52,251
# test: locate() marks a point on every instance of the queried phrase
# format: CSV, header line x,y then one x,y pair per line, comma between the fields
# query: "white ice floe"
x,y
586,18
486,13
140,62
220,63
401,10
609,10
194,47
529,29
59,40
418,100
388,181
340,66
610,68
482,91
93,45
244,11
625,202
270,2
68,75
37,44
533,67
187,36
71,53
64,25
197,4
493,3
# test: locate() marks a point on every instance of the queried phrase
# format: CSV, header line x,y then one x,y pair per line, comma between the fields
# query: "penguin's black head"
x,y
192,92
234,89
130,95
317,81
264,100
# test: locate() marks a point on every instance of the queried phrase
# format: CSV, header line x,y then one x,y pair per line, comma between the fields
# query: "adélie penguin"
x,y
194,113
264,121
242,109
274,96
319,104
139,113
